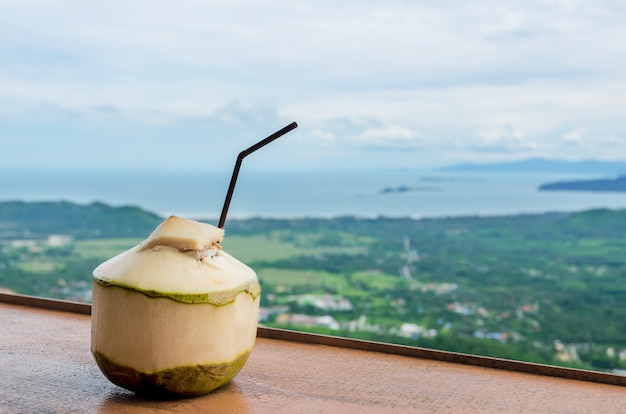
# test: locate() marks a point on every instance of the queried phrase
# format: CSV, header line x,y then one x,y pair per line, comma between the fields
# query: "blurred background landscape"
x,y
456,180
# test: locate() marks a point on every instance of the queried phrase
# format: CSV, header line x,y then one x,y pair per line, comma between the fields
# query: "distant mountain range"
x,y
612,168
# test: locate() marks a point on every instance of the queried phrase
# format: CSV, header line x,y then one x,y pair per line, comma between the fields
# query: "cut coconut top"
x,y
184,235
182,260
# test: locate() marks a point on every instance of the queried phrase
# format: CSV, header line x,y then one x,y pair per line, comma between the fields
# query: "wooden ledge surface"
x,y
46,366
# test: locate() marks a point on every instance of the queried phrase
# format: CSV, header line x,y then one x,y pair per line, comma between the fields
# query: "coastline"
x,y
306,194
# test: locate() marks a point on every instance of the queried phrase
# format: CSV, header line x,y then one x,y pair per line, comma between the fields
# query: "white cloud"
x,y
574,137
482,78
323,137
567,5
392,136
506,136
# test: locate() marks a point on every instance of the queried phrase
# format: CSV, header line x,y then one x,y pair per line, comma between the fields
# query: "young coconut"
x,y
175,315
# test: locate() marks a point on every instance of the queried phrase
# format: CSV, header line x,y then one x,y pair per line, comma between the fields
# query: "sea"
x,y
321,193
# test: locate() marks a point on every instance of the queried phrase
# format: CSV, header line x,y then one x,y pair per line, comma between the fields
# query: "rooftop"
x,y
47,366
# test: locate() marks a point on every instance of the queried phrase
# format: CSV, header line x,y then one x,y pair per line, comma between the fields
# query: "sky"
x,y
410,84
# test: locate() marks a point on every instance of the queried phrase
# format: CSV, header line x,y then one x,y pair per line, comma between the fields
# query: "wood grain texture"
x,y
46,366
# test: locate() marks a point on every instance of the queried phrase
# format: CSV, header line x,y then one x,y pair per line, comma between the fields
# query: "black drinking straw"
x,y
240,157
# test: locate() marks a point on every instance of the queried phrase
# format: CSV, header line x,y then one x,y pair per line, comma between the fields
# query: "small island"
x,y
601,185
406,189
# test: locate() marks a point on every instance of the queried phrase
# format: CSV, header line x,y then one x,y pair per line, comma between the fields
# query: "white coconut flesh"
x,y
176,300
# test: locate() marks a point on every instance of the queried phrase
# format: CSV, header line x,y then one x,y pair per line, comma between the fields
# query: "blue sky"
x,y
189,84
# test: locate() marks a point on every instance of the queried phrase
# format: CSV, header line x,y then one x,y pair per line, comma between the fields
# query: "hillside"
x,y
548,288
19,219
545,165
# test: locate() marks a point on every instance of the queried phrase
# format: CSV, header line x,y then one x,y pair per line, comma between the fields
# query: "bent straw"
x,y
240,157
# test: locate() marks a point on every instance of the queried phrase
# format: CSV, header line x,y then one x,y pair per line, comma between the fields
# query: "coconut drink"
x,y
176,315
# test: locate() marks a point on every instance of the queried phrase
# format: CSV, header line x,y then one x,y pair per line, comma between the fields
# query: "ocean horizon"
x,y
298,194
